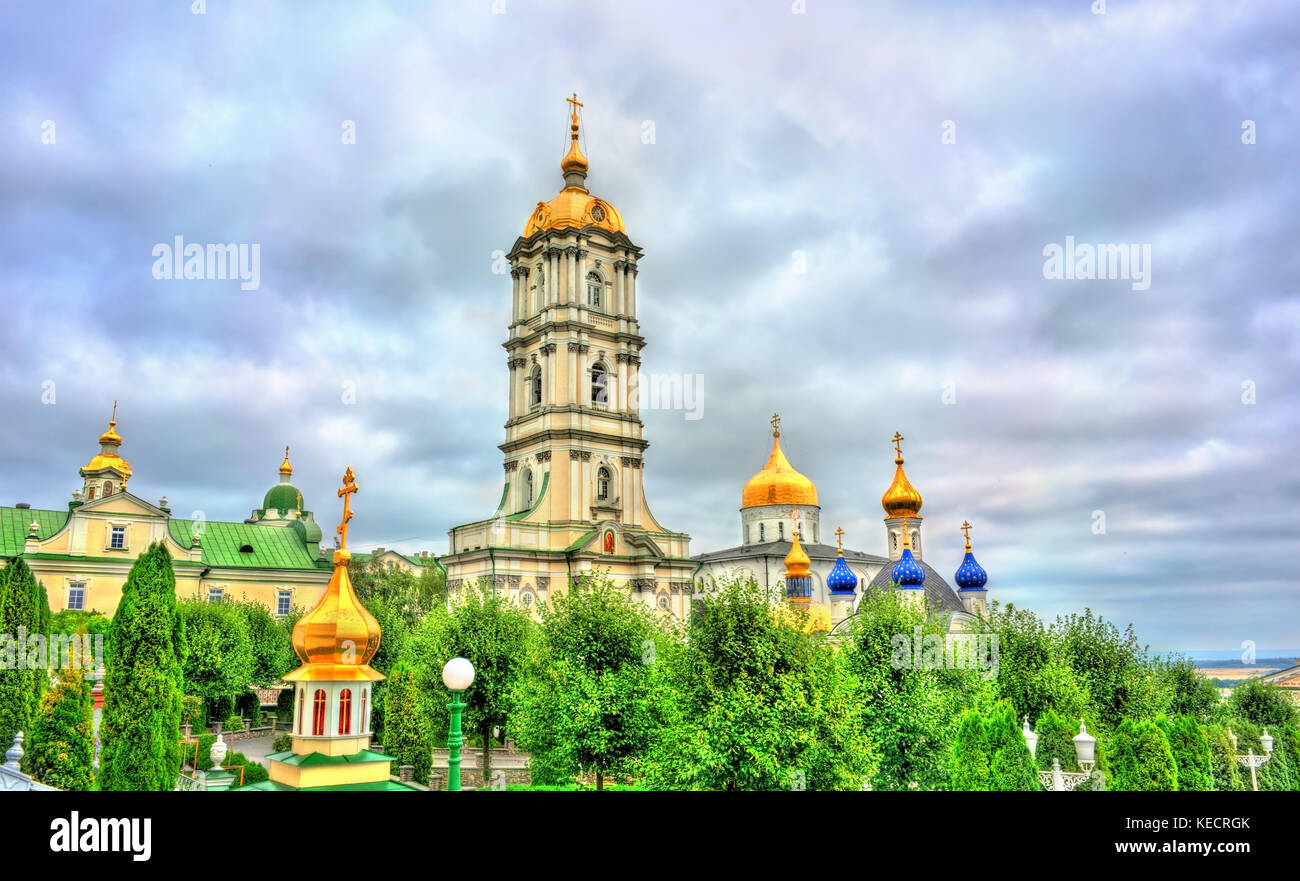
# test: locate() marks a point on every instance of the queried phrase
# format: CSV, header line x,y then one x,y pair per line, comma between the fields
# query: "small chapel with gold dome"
x,y
782,549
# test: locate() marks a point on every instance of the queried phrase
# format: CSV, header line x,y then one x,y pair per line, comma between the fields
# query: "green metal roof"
x,y
365,756
15,521
272,547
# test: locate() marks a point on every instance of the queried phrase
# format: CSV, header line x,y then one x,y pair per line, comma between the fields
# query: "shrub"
x,y
1140,759
1191,751
282,743
193,711
20,689
970,759
62,748
407,738
234,722
253,772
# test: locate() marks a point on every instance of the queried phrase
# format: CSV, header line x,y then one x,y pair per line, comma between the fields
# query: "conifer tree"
x,y
62,743
21,686
143,682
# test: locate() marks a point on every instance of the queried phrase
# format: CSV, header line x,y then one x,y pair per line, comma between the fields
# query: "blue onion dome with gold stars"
x,y
841,579
907,572
970,574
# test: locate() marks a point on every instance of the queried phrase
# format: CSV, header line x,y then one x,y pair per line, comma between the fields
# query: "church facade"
x,y
780,521
572,497
83,553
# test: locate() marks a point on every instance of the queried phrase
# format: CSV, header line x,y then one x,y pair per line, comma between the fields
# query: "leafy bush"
x,y
1191,751
62,743
407,738
1140,759
282,743
193,711
253,772
219,663
234,722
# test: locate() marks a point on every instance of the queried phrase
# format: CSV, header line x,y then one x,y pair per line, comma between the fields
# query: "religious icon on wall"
x,y
609,541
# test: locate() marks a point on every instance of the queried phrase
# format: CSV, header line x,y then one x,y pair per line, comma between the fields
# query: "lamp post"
x,y
1252,761
1085,749
457,675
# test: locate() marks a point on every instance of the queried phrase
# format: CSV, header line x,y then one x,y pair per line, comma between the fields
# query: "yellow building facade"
x,y
83,553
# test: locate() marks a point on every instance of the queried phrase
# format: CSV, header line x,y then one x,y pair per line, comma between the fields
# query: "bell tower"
x,y
573,499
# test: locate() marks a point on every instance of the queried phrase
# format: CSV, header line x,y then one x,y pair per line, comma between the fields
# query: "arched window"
x,y
318,714
600,385
90,494
535,386
762,532
302,699
365,705
345,711
108,488
602,483
594,288
528,489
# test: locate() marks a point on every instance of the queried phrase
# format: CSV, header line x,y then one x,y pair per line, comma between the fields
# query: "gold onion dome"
x,y
286,467
778,483
575,206
901,499
797,562
108,458
337,638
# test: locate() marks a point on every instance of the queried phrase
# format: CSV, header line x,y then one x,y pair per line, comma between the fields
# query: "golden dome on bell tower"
x,y
778,483
574,206
901,499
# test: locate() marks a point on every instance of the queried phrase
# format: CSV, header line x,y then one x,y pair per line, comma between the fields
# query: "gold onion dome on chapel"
x,y
778,483
109,458
337,639
575,206
901,499
797,562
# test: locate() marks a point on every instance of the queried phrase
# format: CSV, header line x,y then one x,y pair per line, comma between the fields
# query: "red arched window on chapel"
x,y
345,711
318,714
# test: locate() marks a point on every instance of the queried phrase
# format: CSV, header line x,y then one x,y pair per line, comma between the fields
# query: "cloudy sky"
x,y
844,214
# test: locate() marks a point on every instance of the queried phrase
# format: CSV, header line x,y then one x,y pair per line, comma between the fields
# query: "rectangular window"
x,y
283,602
215,594
77,595
117,538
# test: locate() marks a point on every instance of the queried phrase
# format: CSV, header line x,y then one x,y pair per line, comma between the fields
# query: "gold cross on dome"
x,y
575,102
113,418
965,528
349,487
839,537
776,423
898,450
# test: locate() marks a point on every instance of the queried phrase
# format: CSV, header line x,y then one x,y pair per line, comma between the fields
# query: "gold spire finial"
x,y
776,425
839,538
965,528
112,420
898,449
574,163
349,487
285,466
111,436
906,544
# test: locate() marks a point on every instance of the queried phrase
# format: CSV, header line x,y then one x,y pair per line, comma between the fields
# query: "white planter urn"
x,y
218,753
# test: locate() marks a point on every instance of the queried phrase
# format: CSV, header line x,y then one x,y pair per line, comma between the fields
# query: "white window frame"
x,y
282,594
126,536
83,585
220,590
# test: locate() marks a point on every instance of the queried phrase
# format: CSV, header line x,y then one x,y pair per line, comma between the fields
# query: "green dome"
x,y
282,497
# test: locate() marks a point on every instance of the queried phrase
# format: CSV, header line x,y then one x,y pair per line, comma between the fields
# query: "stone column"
x,y
620,308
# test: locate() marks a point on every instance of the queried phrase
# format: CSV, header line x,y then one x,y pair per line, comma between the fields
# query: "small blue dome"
x,y
907,572
841,579
971,575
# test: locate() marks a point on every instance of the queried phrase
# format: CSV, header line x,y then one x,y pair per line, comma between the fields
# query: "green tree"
x,y
1011,767
408,739
219,663
911,701
585,706
396,635
62,743
1191,694
408,594
492,632
269,642
1262,703
1223,761
1113,666
144,682
970,754
1140,759
1191,751
751,702
1055,741
21,686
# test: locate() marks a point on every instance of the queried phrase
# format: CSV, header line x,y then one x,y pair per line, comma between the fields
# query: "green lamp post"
x,y
457,675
